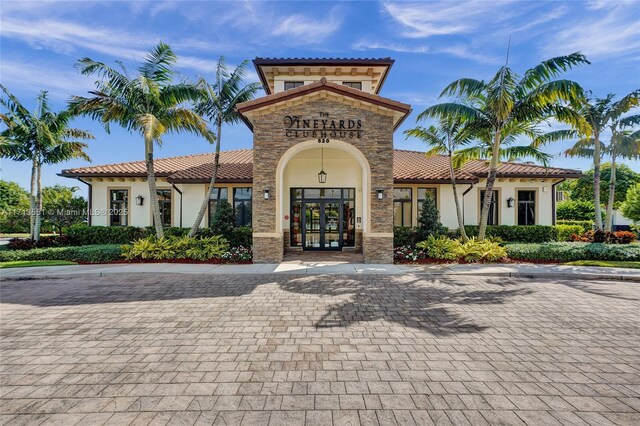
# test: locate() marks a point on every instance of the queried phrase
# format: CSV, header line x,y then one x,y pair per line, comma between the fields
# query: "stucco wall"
x,y
302,172
192,196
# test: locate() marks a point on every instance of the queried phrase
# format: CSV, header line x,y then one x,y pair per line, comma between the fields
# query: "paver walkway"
x,y
333,268
316,350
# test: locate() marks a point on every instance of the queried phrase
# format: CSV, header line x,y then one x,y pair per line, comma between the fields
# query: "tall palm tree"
x,y
445,139
218,105
40,137
600,114
149,104
492,106
623,144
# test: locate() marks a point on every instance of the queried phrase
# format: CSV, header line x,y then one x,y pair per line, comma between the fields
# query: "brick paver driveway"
x,y
289,349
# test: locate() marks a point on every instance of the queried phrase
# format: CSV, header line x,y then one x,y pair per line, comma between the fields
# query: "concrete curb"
x,y
551,275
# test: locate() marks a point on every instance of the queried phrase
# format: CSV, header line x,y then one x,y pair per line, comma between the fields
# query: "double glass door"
x,y
322,223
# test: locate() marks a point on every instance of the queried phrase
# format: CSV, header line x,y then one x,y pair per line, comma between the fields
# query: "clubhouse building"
x,y
323,173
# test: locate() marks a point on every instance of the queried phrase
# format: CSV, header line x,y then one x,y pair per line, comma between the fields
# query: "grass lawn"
x,y
606,263
27,263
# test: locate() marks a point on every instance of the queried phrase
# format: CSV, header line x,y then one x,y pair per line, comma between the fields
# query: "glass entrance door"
x,y
322,225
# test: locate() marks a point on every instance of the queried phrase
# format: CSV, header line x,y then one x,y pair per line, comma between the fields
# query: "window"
x,y
402,207
164,201
353,84
423,193
242,206
119,207
218,194
561,196
526,207
493,208
292,84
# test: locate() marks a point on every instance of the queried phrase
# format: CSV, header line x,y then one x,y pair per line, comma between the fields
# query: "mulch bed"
x,y
450,262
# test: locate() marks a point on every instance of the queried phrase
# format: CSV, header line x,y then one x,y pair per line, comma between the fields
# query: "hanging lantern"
x,y
322,176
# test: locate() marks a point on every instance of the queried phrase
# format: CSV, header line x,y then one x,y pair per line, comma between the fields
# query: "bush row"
x,y
85,254
202,249
404,236
617,237
587,225
445,248
83,235
568,252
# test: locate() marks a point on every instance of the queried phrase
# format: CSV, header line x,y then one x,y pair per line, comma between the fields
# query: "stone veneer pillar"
x,y
270,143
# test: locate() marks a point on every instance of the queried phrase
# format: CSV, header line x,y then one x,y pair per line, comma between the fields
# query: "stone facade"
x,y
376,144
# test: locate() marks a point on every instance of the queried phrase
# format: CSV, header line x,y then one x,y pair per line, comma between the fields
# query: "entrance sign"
x,y
323,127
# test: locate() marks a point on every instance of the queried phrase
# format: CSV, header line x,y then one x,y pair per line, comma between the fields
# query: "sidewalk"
x,y
320,268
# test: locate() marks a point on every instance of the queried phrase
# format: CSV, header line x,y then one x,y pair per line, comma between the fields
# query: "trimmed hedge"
x,y
85,254
405,236
83,235
517,233
566,231
568,252
587,225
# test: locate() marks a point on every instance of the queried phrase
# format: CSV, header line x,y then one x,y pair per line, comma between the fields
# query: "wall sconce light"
x,y
380,194
139,200
265,194
510,202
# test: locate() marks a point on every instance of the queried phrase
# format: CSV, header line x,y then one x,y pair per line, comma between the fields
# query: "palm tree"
x,y
623,144
40,137
600,114
445,139
218,105
149,104
505,99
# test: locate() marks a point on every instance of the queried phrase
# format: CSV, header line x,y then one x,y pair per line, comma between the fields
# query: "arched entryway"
x,y
319,216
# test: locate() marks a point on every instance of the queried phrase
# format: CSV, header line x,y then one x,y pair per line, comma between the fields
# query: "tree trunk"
x,y
596,181
463,233
205,202
491,178
32,198
38,222
608,219
153,194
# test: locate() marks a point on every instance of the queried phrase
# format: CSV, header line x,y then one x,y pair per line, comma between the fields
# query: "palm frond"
x,y
464,87
158,64
547,70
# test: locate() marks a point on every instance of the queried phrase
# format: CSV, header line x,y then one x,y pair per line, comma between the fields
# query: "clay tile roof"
x,y
239,160
414,166
323,61
237,166
512,169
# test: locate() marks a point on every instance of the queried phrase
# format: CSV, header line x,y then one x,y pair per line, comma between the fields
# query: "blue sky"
x,y
433,43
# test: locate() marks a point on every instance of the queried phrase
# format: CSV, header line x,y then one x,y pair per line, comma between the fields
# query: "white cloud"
x,y
304,30
61,84
610,29
457,50
427,19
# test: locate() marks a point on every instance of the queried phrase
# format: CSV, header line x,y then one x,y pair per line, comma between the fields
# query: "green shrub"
x,y
167,248
84,254
445,248
587,225
429,220
483,251
517,233
405,236
86,235
576,210
566,231
241,237
568,252
224,220
442,247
